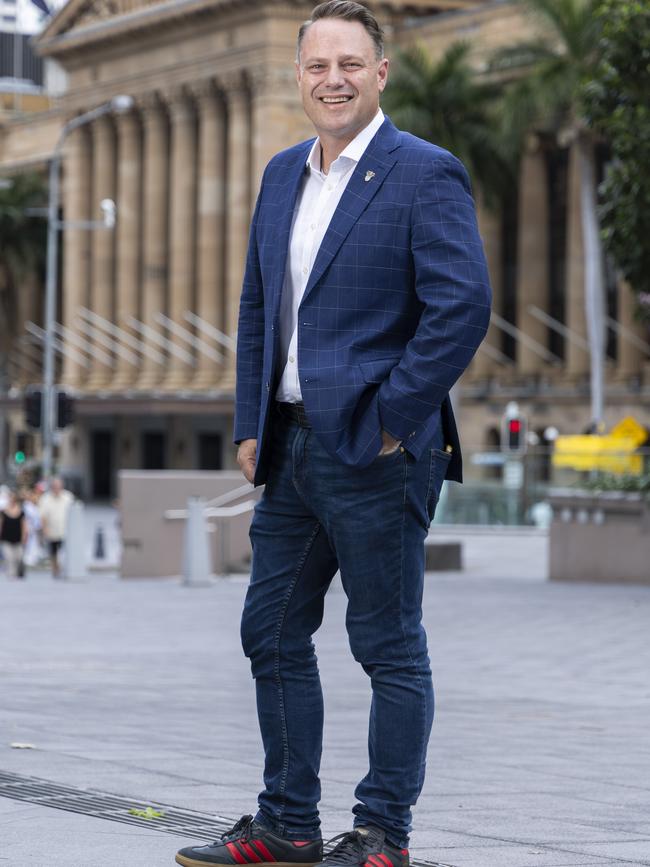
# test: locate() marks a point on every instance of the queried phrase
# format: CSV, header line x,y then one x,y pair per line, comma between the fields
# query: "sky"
x,y
30,18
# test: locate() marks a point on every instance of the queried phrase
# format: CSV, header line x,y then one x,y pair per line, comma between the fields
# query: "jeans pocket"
x,y
438,464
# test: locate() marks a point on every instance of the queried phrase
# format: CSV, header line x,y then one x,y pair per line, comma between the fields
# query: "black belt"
x,y
294,412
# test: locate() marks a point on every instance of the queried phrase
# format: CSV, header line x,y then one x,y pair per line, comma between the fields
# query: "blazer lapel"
x,y
362,187
291,188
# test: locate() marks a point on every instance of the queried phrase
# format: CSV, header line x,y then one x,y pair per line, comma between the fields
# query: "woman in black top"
x,y
13,535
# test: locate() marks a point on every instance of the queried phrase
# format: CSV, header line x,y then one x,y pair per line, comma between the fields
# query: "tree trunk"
x,y
594,282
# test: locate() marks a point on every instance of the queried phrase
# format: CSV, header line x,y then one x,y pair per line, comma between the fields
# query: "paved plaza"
x,y
540,753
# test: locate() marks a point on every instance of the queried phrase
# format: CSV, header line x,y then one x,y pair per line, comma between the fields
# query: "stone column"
x,y
129,186
277,117
211,225
489,222
182,225
630,356
76,243
532,255
238,209
577,360
102,299
155,225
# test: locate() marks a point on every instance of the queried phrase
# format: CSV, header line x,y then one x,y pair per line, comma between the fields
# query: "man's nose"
x,y
334,76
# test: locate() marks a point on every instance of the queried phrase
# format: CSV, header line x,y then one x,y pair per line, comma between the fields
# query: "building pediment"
x,y
83,24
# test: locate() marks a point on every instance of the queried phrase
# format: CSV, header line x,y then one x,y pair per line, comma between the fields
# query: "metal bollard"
x,y
197,566
100,545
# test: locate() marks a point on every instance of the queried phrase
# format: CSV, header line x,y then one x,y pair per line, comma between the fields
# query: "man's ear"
x,y
382,73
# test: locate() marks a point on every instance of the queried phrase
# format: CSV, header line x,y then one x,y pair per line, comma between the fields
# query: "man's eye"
x,y
316,67
352,65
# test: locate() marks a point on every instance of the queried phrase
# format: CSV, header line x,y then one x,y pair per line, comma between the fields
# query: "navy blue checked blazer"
x,y
396,305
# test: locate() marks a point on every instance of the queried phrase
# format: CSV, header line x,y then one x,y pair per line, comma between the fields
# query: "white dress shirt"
x,y
314,210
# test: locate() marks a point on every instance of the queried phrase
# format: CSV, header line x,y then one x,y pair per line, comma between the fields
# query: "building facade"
x,y
147,312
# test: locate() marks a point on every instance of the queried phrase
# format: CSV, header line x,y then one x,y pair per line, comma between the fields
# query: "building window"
x,y
210,450
509,232
154,450
557,168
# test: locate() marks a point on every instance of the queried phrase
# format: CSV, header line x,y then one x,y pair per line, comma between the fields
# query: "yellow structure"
x,y
614,453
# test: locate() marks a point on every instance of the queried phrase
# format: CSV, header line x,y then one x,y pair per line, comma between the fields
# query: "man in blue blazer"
x,y
365,297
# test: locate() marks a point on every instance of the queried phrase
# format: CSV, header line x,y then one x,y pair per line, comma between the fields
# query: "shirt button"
x,y
313,227
291,359
305,270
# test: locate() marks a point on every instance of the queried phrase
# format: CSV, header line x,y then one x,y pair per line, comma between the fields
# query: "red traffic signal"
x,y
513,434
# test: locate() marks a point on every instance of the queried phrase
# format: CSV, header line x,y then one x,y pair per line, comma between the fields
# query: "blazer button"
x,y
268,386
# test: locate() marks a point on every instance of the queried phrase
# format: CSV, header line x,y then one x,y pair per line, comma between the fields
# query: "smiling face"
x,y
340,79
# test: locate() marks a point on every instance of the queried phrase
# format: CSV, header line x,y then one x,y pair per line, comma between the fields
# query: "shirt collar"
x,y
354,150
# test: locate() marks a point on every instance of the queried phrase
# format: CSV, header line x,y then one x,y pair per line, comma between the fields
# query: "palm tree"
x,y
22,251
545,96
446,102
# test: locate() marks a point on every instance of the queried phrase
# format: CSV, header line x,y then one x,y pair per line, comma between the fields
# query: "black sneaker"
x,y
365,847
248,842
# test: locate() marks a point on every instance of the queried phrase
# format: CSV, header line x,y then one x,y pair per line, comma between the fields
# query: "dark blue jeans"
x,y
316,516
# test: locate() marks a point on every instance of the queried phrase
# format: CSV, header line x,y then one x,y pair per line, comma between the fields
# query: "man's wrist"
x,y
389,439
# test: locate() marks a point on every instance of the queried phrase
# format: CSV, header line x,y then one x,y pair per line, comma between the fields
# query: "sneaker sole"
x,y
190,862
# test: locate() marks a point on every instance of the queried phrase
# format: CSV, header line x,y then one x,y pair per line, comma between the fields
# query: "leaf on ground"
x,y
149,813
19,746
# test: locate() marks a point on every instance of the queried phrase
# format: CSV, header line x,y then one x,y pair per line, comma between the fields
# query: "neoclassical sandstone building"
x,y
148,311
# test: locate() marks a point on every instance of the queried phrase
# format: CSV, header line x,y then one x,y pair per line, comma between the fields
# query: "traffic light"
x,y
64,409
514,431
20,453
515,428
33,406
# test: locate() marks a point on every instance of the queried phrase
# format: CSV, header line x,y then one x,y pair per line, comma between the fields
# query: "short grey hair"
x,y
348,10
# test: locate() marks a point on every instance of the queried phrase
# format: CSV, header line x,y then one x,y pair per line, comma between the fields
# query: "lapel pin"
x,y
369,176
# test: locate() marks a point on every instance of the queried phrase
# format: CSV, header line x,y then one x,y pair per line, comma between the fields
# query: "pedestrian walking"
x,y
13,536
53,507
33,553
365,296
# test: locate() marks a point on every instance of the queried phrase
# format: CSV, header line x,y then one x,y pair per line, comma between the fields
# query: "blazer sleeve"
x,y
452,285
250,341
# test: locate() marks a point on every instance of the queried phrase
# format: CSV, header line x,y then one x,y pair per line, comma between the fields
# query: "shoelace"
x,y
352,845
241,830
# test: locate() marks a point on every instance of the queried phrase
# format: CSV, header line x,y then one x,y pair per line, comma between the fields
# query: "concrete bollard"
x,y
74,550
197,566
100,546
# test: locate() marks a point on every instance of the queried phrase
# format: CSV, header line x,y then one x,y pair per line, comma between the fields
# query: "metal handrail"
x,y
211,512
229,496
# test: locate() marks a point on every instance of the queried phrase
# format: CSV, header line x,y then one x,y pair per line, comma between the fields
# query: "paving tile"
x,y
540,730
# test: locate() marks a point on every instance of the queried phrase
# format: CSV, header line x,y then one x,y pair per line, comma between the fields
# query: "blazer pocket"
x,y
378,369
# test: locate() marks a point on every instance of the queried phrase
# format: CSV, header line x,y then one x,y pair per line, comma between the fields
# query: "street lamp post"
x,y
118,104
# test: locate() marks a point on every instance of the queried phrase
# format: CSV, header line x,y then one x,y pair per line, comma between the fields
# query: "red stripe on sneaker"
x,y
248,850
374,861
301,842
385,859
405,851
262,849
236,854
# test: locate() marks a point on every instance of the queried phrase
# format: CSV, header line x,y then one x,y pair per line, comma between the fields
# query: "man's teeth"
x,y
335,98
